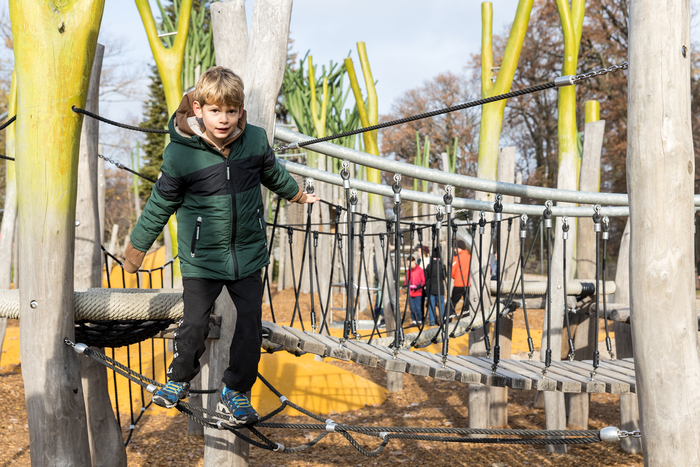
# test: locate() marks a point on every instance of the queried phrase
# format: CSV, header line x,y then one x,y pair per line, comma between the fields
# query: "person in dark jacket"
x,y
211,175
435,275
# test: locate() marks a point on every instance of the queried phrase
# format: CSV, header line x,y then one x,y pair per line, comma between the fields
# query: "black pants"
x,y
457,294
244,352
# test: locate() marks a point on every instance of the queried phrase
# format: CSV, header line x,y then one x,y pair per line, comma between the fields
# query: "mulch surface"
x,y
161,440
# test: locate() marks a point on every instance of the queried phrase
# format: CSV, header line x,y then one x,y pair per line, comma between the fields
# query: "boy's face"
x,y
219,120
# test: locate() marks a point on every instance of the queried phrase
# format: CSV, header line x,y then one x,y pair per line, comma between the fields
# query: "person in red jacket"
x,y
415,278
460,274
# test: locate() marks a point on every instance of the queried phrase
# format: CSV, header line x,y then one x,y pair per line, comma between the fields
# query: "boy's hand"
x,y
311,198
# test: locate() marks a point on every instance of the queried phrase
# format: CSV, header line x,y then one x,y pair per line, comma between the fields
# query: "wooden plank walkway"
x,y
612,376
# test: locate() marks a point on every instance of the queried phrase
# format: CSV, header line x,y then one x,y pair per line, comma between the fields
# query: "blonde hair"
x,y
219,86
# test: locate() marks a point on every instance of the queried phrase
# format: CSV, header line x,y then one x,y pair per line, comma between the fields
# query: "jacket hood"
x,y
186,125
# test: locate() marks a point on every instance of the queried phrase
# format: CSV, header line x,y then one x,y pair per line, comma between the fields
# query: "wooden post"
x,y
54,51
660,179
265,60
506,173
589,180
629,407
106,442
9,219
479,395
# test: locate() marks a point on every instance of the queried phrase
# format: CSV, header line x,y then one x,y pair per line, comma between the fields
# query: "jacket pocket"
x,y
195,236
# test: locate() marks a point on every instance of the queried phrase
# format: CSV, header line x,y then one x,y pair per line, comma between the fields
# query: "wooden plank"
x,y
415,366
564,384
334,349
616,365
487,376
307,343
280,336
538,383
564,377
613,374
410,367
513,380
462,373
360,355
613,384
386,359
436,369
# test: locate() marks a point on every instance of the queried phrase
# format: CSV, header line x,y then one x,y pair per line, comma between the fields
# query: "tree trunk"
x,y
48,38
9,219
589,180
660,178
106,442
265,60
509,261
629,407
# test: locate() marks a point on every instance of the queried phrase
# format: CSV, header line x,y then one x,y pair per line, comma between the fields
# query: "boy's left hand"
x,y
311,198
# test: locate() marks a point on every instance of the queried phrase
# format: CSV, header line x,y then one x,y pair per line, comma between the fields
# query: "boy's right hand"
x,y
133,259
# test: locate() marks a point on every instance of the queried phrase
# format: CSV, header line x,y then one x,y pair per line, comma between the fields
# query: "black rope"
x,y
596,352
266,280
7,158
565,236
117,124
466,105
548,307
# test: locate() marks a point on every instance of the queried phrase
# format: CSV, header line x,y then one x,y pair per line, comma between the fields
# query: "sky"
x,y
408,42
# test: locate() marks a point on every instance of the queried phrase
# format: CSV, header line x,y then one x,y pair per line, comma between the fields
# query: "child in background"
x,y
415,279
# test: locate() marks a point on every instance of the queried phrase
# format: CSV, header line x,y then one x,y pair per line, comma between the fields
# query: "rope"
x,y
117,124
217,420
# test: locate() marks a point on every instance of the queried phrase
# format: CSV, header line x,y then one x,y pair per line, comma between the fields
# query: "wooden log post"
x,y
106,443
509,261
589,180
54,49
262,69
9,218
660,179
629,408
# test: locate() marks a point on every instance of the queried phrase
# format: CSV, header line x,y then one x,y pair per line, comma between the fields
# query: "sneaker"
x,y
169,395
237,405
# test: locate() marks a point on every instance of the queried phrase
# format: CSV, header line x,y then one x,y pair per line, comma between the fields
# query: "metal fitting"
x,y
563,81
80,348
610,434
310,185
523,226
565,228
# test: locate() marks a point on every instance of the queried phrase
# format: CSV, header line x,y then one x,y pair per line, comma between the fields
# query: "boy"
x,y
211,175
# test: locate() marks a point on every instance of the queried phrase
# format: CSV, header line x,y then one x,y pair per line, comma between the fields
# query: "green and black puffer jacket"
x,y
221,231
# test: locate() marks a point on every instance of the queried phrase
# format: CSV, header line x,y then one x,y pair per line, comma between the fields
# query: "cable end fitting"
x,y
151,388
280,447
330,426
80,348
610,434
564,81
283,399
383,435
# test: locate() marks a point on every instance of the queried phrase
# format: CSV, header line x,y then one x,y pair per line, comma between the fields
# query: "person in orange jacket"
x,y
460,274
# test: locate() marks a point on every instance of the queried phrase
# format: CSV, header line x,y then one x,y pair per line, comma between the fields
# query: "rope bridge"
x,y
220,421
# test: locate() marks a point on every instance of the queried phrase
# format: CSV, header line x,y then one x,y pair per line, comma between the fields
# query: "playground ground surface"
x,y
161,439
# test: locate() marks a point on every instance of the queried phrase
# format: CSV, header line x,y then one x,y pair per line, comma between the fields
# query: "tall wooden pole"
x,y
54,50
660,179
106,443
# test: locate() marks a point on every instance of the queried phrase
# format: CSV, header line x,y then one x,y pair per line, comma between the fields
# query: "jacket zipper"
x,y
195,235
234,218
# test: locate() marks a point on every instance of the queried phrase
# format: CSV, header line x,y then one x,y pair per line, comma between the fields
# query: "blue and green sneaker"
x,y
169,395
237,405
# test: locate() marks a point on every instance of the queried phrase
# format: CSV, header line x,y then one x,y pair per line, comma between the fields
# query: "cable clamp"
x,y
562,81
383,435
523,226
606,228
565,228
330,426
152,388
293,145
283,399
498,208
548,214
280,447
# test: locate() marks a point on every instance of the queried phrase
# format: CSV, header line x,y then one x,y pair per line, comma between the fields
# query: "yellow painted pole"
x,y
492,114
315,159
54,47
368,116
572,24
591,111
169,64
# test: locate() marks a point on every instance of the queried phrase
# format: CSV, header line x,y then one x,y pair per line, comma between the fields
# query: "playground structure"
x,y
661,273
